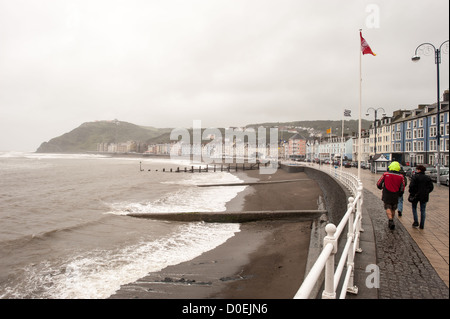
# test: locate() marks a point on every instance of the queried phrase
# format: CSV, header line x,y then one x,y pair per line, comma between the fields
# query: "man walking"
x,y
400,198
393,185
420,188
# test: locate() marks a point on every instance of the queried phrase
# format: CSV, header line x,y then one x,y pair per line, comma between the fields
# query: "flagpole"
x,y
329,149
342,142
359,120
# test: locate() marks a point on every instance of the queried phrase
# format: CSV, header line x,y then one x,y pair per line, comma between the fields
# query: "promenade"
x,y
413,263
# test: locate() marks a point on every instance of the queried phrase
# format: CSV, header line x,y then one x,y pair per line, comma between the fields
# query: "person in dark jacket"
x,y
393,185
400,198
420,188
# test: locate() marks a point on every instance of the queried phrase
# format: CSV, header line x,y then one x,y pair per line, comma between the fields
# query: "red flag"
x,y
365,48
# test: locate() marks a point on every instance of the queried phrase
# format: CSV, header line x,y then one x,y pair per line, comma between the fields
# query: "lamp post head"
x,y
415,58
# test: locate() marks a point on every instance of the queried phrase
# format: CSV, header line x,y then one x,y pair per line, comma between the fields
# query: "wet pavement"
x,y
411,263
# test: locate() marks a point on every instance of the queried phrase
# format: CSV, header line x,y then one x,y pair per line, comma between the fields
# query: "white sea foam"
x,y
174,161
207,178
11,154
16,154
189,198
64,156
98,274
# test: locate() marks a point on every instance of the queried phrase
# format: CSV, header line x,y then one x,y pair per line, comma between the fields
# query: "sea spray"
x,y
98,274
189,198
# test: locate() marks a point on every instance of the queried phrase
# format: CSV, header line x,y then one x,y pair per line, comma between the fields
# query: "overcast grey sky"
x,y
165,63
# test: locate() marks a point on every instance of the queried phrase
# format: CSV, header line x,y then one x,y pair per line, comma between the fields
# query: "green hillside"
x,y
85,137
350,126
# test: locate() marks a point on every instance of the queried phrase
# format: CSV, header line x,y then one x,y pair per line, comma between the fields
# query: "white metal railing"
x,y
326,259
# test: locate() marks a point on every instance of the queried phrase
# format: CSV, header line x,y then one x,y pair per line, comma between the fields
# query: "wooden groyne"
x,y
231,167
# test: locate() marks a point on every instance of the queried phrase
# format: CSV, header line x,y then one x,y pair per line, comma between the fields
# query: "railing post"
x,y
359,211
351,218
330,291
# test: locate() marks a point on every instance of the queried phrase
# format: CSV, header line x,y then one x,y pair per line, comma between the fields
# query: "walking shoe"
x,y
399,213
391,224
415,224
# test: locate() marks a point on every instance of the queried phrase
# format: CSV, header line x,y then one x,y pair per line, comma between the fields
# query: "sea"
x,y
65,232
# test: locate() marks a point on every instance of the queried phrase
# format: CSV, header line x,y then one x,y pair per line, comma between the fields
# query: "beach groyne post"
x,y
214,168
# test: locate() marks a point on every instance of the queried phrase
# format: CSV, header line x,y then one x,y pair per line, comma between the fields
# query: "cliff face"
x,y
85,137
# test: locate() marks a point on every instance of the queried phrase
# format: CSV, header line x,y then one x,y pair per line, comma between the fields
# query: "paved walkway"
x,y
413,263
433,240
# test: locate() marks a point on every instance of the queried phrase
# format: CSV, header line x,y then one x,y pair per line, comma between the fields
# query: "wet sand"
x,y
265,260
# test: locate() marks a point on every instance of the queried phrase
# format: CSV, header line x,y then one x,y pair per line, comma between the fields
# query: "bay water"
x,y
64,229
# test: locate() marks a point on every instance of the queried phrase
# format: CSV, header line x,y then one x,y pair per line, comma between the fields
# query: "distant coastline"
x,y
107,154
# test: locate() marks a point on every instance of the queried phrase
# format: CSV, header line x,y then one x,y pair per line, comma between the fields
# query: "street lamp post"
x,y
437,61
375,123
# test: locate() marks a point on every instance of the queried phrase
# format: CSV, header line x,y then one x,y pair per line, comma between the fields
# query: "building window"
x,y
431,159
433,131
420,159
414,124
420,146
420,133
433,120
408,125
408,146
421,123
433,145
408,135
